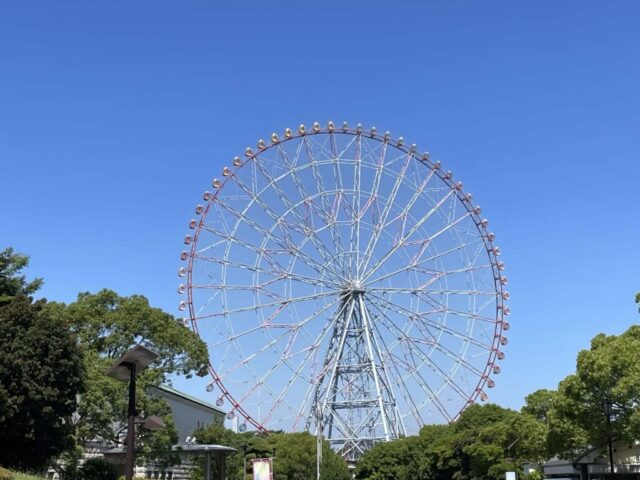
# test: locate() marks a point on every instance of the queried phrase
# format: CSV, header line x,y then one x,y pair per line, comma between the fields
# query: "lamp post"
x,y
125,369
515,460
318,441
244,459
608,413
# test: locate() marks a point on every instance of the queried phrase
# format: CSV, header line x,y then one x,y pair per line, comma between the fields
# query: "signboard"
x,y
262,469
510,475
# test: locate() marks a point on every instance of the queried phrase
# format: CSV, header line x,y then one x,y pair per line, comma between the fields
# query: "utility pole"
x,y
125,369
244,459
318,440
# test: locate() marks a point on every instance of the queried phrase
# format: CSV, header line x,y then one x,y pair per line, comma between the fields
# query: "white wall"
x,y
188,415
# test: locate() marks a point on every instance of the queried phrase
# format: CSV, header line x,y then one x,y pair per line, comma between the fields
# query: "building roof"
x,y
198,449
184,449
185,396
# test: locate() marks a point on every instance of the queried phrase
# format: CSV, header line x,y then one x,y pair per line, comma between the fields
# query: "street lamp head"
x,y
125,369
154,423
139,356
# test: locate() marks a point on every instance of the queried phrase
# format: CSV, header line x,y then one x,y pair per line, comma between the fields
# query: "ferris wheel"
x,y
344,283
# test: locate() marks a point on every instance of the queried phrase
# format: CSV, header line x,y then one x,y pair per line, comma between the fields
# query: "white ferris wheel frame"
x,y
352,296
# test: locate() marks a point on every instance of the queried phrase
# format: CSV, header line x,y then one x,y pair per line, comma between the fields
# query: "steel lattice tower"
x,y
354,393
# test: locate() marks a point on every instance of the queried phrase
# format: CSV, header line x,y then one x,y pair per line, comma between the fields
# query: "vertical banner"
x,y
262,469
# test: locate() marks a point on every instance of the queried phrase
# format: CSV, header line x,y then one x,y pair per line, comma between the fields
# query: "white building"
x,y
189,413
594,464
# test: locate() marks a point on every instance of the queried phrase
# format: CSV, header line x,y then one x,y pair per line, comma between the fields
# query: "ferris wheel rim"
x,y
425,159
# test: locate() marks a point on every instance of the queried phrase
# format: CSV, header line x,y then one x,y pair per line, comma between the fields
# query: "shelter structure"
x,y
189,413
594,464
215,458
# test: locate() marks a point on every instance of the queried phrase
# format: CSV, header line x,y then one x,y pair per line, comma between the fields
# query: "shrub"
x,y
27,476
98,469
5,474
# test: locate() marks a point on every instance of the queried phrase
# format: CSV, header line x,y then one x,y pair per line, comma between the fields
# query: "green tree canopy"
x,y
538,404
599,403
296,458
12,283
484,443
294,454
107,325
40,377
397,460
492,440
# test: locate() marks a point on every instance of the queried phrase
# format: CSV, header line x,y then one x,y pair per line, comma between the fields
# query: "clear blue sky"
x,y
114,117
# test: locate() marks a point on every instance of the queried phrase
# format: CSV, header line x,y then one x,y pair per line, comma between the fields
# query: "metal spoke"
x,y
427,360
385,212
416,262
284,301
288,242
292,208
413,229
280,274
326,208
423,318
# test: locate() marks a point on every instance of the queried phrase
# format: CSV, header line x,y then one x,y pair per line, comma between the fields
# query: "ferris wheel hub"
x,y
353,288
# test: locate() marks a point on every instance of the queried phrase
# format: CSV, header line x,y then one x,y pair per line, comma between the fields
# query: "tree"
x,y
107,325
40,376
98,469
396,460
294,454
40,372
539,403
430,460
11,283
493,440
599,403
486,441
296,458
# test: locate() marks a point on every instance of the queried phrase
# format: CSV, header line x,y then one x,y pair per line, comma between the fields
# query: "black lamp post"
x,y
125,369
608,413
244,459
318,441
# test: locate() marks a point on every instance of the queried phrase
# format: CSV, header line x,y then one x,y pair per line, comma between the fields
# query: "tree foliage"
x,y
484,443
599,403
12,283
539,403
296,458
397,460
98,469
40,376
107,325
294,454
40,372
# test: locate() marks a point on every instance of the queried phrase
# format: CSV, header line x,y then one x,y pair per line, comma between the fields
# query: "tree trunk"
x,y
610,444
